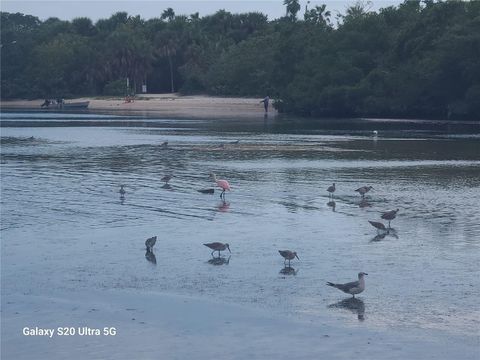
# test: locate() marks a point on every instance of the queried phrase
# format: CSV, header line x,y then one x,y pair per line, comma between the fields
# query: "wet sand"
x,y
153,325
172,105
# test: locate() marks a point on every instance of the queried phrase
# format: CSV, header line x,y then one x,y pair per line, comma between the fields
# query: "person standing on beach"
x,y
265,103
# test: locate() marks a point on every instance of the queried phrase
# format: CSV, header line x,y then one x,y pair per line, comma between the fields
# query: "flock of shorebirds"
x,y
352,288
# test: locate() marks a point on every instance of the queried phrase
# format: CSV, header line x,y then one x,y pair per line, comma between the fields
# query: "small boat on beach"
x,y
60,104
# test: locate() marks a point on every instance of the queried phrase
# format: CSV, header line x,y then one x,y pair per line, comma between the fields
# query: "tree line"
x,y
418,59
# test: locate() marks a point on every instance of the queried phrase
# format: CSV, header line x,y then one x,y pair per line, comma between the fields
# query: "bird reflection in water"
x,y
332,204
355,305
364,203
223,206
219,261
288,270
150,256
383,234
167,186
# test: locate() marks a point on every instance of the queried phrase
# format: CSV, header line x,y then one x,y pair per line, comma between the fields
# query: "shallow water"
x,y
65,227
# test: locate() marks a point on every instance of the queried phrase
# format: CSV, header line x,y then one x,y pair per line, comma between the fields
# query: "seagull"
x,y
363,190
288,255
218,246
150,242
331,189
352,288
389,215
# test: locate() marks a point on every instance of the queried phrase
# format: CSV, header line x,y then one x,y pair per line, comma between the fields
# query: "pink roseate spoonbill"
x,y
352,288
378,225
222,184
150,242
218,246
122,190
389,215
331,189
288,255
363,190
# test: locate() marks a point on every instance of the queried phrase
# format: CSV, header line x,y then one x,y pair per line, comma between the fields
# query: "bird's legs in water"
x,y
222,194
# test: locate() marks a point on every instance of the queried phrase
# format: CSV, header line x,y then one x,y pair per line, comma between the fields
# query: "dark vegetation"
x,y
419,59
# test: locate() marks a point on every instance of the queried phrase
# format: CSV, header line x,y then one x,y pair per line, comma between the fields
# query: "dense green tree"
x,y
417,59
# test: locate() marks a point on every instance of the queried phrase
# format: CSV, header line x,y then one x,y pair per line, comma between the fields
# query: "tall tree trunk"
x,y
171,71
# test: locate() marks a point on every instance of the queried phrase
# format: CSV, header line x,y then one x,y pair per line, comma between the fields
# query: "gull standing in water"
x,y
352,288
222,184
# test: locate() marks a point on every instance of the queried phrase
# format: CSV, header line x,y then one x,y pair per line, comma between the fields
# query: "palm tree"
x,y
168,14
166,44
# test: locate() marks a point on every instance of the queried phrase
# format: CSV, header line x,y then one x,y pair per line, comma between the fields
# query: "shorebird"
x,y
122,190
218,246
378,225
363,190
389,215
331,189
150,242
164,145
288,255
166,179
352,288
222,184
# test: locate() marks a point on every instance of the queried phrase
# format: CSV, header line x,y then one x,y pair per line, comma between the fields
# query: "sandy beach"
x,y
171,105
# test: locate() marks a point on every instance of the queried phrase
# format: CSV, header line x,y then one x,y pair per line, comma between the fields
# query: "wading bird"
x,y
378,225
150,242
363,190
331,189
218,246
288,255
389,215
222,184
352,288
166,179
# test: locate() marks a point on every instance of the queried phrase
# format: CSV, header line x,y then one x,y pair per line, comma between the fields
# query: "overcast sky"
x,y
70,9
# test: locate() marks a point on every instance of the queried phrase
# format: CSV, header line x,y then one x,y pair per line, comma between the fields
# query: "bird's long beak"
x,y
297,256
228,247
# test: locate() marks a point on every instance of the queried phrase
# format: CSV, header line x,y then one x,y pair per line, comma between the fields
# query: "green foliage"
x,y
419,59
115,88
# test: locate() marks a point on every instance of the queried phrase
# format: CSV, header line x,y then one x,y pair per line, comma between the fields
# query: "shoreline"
x,y
172,105
148,325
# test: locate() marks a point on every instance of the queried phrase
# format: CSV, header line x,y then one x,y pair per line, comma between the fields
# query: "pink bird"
x,y
222,184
